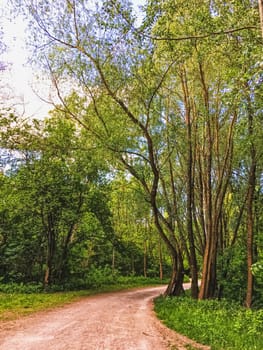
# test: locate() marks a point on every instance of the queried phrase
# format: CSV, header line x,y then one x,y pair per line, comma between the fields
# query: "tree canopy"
x,y
174,105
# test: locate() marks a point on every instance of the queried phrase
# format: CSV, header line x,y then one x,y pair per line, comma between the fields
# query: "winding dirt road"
x,y
112,321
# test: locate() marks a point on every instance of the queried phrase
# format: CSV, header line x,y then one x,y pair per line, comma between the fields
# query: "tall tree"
x,y
105,57
198,37
143,93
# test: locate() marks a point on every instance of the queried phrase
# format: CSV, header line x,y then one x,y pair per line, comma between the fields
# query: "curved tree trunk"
x,y
175,286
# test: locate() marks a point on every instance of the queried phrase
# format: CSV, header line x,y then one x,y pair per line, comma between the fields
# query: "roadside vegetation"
x,y
223,325
18,300
150,163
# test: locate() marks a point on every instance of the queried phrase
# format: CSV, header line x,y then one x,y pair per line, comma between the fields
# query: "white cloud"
x,y
19,78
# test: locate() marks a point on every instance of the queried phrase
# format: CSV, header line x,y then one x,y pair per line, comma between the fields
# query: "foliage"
x,y
257,270
59,203
20,299
220,324
57,208
231,274
174,104
136,242
21,288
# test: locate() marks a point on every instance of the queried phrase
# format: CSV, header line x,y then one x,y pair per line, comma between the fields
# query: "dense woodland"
x,y
150,162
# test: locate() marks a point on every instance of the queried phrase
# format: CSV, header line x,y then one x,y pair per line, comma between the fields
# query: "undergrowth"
x,y
14,305
22,299
222,325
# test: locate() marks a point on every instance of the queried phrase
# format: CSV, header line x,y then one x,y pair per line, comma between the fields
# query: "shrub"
x,y
21,288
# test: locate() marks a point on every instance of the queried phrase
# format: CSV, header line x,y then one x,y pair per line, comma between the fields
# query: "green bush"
x,y
257,270
21,288
140,280
231,274
99,276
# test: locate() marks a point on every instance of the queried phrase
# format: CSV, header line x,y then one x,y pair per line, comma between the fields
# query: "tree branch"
x,y
200,36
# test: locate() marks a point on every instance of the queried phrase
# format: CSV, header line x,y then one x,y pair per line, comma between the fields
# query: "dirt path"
x,y
114,321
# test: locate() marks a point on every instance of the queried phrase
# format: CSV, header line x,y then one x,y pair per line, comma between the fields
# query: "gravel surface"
x,y
111,321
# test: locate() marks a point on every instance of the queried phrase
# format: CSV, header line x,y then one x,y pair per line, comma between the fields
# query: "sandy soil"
x,y
112,321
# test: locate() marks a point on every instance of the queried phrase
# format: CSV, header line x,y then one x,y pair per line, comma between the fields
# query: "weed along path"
x,y
111,321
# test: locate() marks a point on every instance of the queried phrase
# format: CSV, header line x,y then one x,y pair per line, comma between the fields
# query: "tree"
x,y
163,102
210,112
134,230
57,189
94,48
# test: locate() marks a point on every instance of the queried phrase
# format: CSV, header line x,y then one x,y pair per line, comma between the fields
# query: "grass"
x,y
220,324
14,303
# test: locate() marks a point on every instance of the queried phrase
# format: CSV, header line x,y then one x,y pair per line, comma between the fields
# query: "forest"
x,y
150,160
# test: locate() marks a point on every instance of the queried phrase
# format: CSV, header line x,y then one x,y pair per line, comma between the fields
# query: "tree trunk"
x,y
208,284
175,286
113,260
50,251
160,260
61,274
190,188
260,6
145,259
132,265
250,234
250,202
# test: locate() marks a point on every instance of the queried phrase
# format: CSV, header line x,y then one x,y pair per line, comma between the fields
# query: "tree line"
x,y
174,104
61,217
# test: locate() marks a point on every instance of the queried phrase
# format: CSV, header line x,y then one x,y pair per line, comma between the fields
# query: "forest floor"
x,y
112,321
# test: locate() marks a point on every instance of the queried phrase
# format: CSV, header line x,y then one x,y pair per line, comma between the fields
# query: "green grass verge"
x,y
14,304
220,324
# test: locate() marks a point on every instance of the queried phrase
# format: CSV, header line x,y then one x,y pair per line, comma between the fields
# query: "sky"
x,y
19,79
